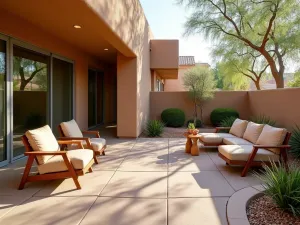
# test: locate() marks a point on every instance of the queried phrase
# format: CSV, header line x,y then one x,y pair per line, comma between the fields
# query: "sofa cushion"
x,y
71,129
98,143
272,136
213,138
236,141
79,159
242,152
42,139
238,127
253,131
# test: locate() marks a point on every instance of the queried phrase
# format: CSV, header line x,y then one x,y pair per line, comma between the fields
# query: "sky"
x,y
167,19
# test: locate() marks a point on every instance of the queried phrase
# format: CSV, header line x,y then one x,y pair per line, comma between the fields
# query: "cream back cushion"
x,y
71,129
272,136
42,139
253,131
238,127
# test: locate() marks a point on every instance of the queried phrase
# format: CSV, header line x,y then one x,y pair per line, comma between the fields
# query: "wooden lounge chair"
x,y
52,163
71,131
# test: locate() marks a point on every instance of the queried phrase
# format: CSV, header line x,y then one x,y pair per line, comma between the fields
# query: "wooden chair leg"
x,y
249,162
72,171
90,170
103,153
285,159
26,172
95,159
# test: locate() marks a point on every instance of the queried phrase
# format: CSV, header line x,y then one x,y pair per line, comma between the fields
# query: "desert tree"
x,y
268,27
200,84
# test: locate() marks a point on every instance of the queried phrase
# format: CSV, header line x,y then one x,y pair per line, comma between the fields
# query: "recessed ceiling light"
x,y
106,49
77,26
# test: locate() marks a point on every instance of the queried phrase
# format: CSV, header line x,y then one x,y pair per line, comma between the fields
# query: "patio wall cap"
x,y
238,202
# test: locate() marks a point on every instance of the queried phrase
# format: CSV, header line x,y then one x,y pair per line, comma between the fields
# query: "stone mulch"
x,y
262,211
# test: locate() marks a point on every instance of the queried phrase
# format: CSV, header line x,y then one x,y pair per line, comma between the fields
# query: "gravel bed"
x,y
262,211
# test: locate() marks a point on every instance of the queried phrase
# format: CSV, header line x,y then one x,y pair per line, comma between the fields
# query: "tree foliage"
x,y
25,70
296,81
270,28
201,85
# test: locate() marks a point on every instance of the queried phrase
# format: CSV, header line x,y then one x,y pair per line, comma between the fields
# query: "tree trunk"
x,y
279,81
195,113
23,85
257,85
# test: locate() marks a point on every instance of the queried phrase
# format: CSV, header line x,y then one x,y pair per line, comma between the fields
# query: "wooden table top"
x,y
186,134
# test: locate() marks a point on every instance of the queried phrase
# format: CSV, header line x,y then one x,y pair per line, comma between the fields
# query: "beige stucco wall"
x,y
127,21
282,105
20,29
232,99
177,84
164,54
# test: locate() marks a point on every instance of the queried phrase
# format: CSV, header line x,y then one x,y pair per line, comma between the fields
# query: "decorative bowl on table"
x,y
190,131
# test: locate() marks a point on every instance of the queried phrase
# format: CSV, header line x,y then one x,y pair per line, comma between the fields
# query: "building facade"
x,y
91,60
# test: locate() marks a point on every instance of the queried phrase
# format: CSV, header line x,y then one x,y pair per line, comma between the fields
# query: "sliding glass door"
x,y
3,150
36,88
62,83
30,93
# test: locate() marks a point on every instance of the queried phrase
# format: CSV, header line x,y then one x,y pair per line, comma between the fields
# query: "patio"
x,y
139,181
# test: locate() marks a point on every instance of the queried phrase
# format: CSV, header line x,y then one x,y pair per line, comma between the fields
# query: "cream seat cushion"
x,y
236,141
71,129
42,139
253,131
242,152
79,159
214,138
98,143
272,136
238,127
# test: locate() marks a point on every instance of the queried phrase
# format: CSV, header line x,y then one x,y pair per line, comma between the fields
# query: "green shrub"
x,y
283,186
219,114
198,123
295,142
228,121
154,128
263,119
173,117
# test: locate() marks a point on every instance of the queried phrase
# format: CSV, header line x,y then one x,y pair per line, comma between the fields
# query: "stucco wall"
x,y
282,105
20,29
127,21
231,99
177,84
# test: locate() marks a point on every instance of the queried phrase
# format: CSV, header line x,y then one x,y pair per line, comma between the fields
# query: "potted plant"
x,y
192,129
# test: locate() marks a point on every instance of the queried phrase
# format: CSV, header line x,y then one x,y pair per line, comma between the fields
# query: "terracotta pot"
x,y
195,132
190,131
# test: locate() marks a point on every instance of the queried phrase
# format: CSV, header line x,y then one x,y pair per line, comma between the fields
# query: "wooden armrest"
x,y
69,142
96,133
271,146
222,128
45,153
73,138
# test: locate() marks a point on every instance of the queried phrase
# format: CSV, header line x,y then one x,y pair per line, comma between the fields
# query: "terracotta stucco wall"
x,y
110,94
282,105
20,29
231,99
127,21
177,84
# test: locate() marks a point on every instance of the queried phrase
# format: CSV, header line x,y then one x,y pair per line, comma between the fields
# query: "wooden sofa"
x,y
249,144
